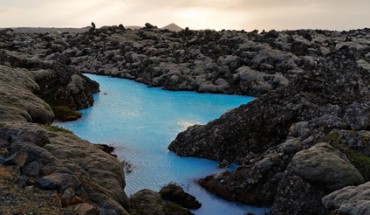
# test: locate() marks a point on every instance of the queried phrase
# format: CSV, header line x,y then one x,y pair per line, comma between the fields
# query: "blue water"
x,y
140,122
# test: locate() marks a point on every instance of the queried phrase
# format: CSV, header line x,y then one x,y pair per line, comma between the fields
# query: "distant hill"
x,y
173,27
48,30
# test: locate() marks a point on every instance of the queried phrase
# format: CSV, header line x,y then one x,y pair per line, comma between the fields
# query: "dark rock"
x,y
149,26
47,184
146,202
39,138
175,193
86,209
31,169
18,158
106,148
70,198
296,196
2,160
224,164
60,181
93,27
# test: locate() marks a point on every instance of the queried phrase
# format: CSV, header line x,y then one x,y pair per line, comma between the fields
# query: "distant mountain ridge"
x,y
171,27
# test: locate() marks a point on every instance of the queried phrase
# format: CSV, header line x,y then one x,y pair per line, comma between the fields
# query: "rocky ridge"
x,y
235,62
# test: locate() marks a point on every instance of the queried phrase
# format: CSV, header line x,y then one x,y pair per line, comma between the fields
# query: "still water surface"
x,y
140,122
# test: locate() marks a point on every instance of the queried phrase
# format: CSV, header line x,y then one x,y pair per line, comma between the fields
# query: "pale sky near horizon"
x,y
196,14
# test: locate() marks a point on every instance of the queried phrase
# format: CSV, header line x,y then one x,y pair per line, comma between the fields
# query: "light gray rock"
x,y
325,166
350,200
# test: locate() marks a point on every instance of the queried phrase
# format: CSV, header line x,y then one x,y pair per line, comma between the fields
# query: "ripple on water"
x,y
140,122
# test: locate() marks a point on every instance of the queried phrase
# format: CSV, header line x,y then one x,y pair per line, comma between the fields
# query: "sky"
x,y
195,14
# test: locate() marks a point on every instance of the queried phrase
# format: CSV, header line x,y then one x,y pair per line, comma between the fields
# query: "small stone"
x,y
224,164
85,209
69,198
29,189
47,184
2,160
31,169
58,180
5,174
18,158
38,138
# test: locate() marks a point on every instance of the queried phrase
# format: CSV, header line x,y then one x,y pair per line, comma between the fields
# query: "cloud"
x,y
217,14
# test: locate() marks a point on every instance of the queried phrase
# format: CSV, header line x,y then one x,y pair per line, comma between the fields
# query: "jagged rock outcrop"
x,y
274,137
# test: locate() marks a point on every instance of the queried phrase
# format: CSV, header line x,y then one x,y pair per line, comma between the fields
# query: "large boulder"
x,y
326,167
312,174
351,200
175,193
148,202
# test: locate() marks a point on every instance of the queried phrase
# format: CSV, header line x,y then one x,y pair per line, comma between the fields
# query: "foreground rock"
x,y
46,169
61,165
349,200
176,194
277,140
147,202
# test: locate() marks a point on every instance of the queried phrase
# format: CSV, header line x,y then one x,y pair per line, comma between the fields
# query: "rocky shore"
x,y
302,146
45,169
299,147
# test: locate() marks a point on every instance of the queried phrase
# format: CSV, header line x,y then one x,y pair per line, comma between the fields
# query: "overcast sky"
x,y
196,14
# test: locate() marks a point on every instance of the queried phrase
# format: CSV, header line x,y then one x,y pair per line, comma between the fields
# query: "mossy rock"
x,y
65,112
54,128
358,159
333,136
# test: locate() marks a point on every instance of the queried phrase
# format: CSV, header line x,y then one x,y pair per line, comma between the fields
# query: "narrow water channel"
x,y
140,122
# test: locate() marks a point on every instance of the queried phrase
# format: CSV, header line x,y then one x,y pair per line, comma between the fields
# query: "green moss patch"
x,y
359,159
54,128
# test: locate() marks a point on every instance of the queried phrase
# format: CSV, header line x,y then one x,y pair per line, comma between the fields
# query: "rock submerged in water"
x,y
174,193
147,202
171,199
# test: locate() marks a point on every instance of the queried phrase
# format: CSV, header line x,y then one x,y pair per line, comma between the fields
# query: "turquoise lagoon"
x,y
140,122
